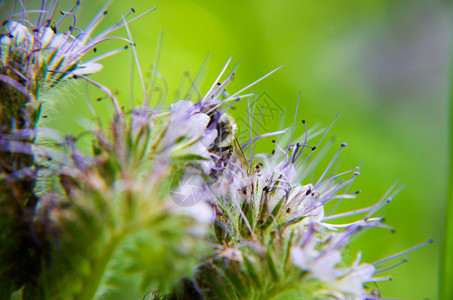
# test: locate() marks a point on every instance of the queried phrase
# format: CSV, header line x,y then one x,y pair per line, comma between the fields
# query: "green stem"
x,y
446,265
98,273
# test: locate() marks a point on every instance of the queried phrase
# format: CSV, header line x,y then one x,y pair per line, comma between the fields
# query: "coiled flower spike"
x,y
37,53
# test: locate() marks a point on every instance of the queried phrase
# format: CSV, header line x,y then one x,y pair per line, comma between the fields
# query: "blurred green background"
x,y
382,64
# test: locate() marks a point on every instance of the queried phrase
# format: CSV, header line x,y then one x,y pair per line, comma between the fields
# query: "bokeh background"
x,y
382,64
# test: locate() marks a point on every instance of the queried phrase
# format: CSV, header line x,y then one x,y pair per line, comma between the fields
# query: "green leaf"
x,y
252,272
271,219
271,265
236,278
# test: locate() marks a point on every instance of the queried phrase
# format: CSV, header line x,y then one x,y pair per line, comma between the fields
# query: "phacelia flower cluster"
x,y
166,203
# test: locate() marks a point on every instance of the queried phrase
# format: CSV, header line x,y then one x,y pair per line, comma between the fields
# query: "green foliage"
x,y
113,234
105,227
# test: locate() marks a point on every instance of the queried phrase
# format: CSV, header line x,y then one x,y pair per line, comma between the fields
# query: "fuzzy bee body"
x,y
226,145
227,129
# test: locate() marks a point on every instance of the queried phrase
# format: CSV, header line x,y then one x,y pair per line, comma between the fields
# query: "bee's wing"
x,y
240,154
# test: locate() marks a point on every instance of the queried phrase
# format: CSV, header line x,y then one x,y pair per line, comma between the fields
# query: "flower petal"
x,y
88,69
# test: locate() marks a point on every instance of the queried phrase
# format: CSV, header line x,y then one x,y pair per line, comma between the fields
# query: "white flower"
x,y
20,34
321,266
352,282
322,262
33,50
187,134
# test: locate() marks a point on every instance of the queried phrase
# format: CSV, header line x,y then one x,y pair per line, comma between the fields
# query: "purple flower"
x,y
41,55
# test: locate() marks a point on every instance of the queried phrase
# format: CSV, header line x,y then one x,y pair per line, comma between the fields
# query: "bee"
x,y
226,144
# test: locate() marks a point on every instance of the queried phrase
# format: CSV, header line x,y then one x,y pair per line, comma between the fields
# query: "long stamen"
x,y
252,153
264,135
120,24
51,9
95,43
372,222
336,176
250,120
387,200
96,20
330,164
304,144
403,252
377,279
31,11
405,260
358,211
319,143
137,62
193,83
207,96
105,90
105,55
256,81
155,69
238,207
43,9
328,198
65,14
281,149
23,9
294,121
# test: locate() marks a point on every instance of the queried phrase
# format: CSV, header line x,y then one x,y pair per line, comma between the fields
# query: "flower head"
x,y
272,226
38,54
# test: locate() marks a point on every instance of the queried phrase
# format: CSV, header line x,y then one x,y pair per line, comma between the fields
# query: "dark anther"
x,y
313,149
78,2
308,192
44,117
99,99
273,152
125,47
344,144
303,121
273,141
132,9
94,50
105,12
61,12
219,83
288,210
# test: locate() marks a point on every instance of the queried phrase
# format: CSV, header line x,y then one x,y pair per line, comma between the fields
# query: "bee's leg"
x,y
220,164
228,148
